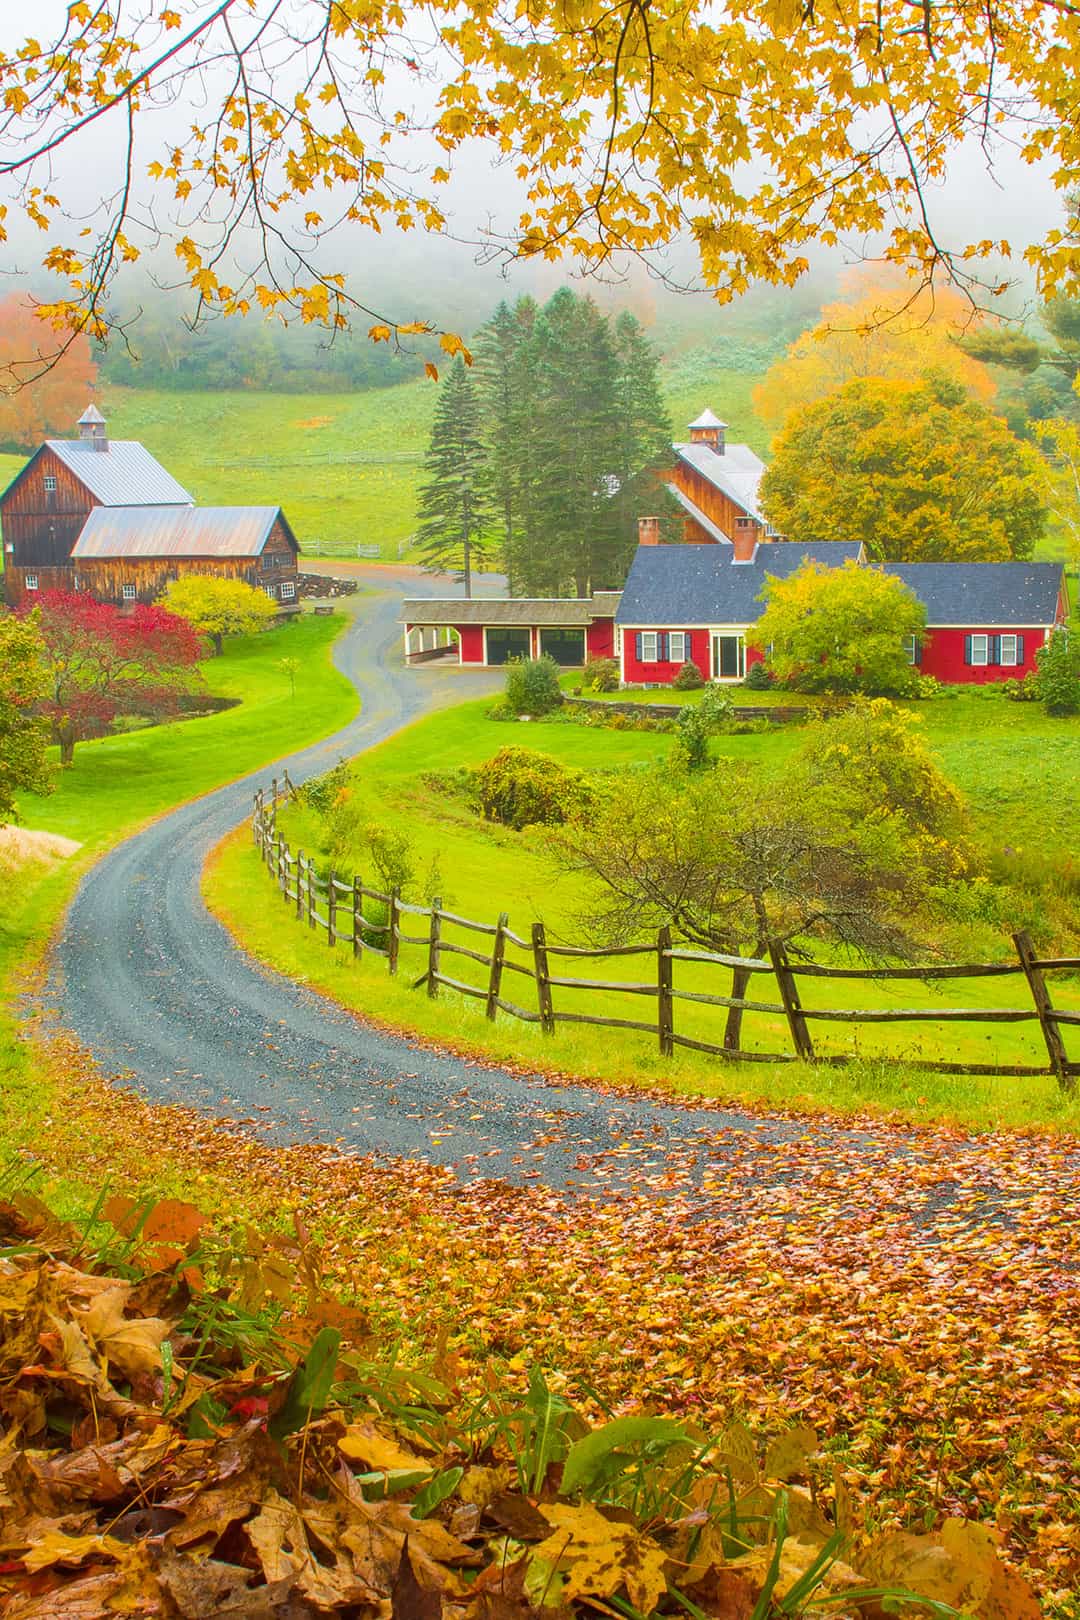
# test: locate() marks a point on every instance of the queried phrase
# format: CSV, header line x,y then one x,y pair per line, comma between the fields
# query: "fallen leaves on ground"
x,y
159,1472
912,1298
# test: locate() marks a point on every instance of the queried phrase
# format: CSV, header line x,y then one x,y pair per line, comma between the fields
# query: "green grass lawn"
x,y
480,869
118,783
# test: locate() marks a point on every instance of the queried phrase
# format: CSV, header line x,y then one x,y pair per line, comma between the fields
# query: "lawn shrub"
x,y
691,751
600,675
759,678
320,793
1058,677
521,788
716,708
689,678
532,686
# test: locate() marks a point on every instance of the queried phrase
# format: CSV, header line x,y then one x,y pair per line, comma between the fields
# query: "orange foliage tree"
x,y
879,330
46,400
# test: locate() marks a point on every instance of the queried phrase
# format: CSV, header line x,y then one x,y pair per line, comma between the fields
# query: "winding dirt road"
x,y
158,992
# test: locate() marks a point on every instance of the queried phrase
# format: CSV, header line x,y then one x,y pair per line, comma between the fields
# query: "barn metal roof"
x,y
703,584
1024,594
123,474
736,472
177,531
516,610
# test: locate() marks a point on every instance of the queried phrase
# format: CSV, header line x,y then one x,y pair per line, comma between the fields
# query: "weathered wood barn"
x,y
104,516
130,553
716,485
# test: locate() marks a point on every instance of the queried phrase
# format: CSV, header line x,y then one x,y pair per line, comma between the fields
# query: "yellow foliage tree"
x,y
754,130
218,607
884,330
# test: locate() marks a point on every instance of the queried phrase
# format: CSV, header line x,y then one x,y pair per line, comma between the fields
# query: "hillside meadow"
x,y
993,750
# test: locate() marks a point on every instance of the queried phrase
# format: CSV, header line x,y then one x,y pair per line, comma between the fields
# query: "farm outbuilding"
x,y
489,631
103,516
127,554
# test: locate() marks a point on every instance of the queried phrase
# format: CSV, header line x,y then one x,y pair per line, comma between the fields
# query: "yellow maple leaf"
x,y
598,1558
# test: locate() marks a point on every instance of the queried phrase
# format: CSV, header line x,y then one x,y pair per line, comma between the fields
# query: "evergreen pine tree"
x,y
645,436
454,508
504,381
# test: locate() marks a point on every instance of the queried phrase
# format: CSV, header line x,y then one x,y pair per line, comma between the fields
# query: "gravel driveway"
x,y
158,992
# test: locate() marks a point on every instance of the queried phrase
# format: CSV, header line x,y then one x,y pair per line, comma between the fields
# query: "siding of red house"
x,y
600,639
662,673
943,655
471,638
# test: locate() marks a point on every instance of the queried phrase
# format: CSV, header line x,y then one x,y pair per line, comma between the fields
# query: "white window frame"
x,y
50,483
1009,650
31,582
128,593
683,639
976,661
271,592
288,590
650,646
911,647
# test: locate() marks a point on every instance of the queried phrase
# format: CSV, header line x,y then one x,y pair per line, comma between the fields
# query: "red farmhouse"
x,y
985,621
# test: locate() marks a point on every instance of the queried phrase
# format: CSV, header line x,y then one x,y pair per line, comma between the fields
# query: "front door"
x,y
505,643
728,658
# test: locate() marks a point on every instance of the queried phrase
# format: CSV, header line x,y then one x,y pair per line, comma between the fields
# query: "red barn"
x,y
483,632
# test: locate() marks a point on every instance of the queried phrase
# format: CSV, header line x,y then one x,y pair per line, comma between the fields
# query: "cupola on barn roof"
x,y
708,419
91,417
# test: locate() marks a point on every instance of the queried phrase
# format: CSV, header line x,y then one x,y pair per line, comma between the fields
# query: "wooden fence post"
x,y
256,819
789,995
434,938
311,893
273,792
331,911
665,1005
283,869
357,917
299,884
1040,995
543,982
498,957
393,943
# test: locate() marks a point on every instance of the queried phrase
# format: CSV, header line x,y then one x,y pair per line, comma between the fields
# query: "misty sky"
x,y
415,275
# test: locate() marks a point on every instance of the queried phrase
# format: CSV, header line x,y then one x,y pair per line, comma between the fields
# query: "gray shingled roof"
x,y
124,474
978,595
177,531
697,585
500,610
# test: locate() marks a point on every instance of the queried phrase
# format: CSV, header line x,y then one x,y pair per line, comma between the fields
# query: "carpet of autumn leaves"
x,y
911,1297
162,1458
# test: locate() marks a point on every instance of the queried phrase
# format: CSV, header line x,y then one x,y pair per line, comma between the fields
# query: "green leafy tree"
x,y
876,772
532,686
454,505
24,734
839,629
1058,663
729,867
918,471
218,607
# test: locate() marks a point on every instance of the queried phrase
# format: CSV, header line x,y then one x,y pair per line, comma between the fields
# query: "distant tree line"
x,y
542,457
261,356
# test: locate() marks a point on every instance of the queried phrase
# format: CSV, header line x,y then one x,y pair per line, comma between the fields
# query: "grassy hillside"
x,y
346,466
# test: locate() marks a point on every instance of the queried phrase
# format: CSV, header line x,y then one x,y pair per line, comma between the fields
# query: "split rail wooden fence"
x,y
335,906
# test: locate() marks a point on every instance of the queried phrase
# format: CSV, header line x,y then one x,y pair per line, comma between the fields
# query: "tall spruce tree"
x,y
575,429
454,505
504,376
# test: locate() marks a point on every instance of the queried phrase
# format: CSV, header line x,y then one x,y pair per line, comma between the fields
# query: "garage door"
x,y
565,646
502,645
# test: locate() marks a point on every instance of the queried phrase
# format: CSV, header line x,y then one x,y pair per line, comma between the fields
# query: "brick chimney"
x,y
648,531
744,544
92,428
708,429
